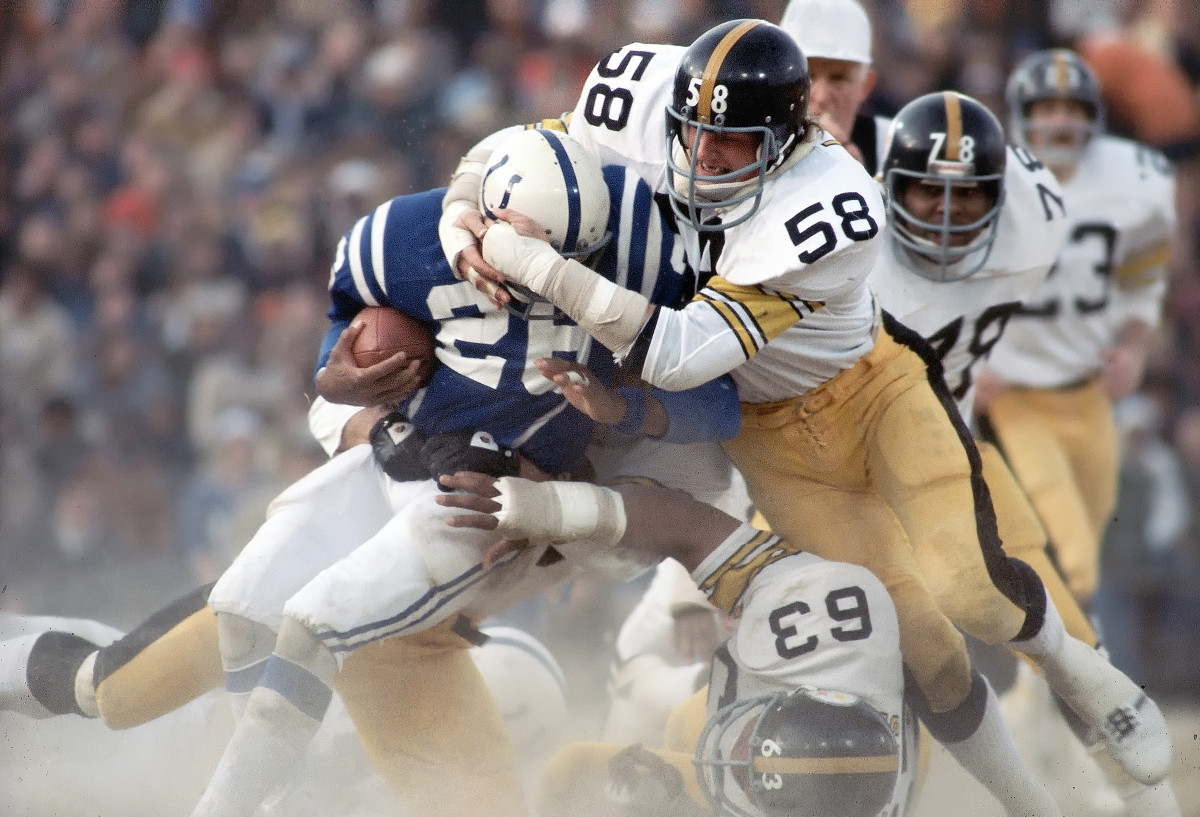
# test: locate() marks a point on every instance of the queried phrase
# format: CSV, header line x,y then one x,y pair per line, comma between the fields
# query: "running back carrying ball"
x,y
388,331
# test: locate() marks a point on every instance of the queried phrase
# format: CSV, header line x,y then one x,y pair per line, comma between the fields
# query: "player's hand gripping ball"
x,y
387,331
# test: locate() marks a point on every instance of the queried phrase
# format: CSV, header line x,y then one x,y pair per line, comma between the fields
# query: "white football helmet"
x,y
548,176
529,688
551,178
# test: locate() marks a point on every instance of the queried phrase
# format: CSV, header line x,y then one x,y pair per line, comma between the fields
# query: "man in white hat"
x,y
835,36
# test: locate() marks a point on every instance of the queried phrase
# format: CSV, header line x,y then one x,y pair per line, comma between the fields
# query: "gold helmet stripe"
x,y
953,125
709,79
827,765
1062,73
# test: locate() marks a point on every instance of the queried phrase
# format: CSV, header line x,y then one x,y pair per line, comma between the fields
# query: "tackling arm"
x,y
649,519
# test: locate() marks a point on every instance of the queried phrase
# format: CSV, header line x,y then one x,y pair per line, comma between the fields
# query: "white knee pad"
x,y
243,642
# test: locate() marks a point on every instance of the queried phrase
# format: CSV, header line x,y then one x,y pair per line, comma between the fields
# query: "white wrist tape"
x,y
454,239
611,314
559,511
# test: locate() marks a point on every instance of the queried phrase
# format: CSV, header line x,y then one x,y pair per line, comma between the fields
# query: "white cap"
x,y
832,29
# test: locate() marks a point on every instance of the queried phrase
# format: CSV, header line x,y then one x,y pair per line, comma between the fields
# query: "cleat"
x,y
1116,711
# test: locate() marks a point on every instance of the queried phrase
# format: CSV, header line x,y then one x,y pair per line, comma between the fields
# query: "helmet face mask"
x,y
1054,74
951,146
806,752
551,178
741,77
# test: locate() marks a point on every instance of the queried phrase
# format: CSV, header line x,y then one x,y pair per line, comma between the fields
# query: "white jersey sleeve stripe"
x,y
339,258
356,265
378,257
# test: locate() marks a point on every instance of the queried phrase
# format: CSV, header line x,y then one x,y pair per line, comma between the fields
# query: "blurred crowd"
x,y
175,175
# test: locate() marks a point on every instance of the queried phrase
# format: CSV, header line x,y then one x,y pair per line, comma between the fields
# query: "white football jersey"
x,y
1121,217
964,319
783,302
807,621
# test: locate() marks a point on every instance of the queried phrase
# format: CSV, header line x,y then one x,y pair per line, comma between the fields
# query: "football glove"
x,y
396,444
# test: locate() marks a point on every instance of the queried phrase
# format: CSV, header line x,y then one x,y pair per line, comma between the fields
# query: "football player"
x,y
970,239
353,570
54,768
483,351
1081,341
835,36
849,436
803,622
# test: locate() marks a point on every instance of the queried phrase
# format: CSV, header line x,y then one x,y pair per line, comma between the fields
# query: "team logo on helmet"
x,y
551,178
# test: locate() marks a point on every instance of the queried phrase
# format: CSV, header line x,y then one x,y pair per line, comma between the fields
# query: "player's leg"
x,y
162,664
1057,442
1023,537
949,548
412,574
316,521
857,526
281,716
430,725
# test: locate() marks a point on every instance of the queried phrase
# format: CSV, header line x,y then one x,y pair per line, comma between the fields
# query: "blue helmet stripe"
x,y
574,208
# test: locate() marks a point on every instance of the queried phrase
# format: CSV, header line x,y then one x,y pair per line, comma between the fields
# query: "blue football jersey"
x,y
485,379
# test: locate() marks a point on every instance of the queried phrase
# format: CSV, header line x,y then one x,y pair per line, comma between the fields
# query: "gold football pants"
x,y
1062,446
875,467
430,725
1023,537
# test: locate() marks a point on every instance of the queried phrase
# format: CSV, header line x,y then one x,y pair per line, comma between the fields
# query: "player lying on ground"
x,y
803,621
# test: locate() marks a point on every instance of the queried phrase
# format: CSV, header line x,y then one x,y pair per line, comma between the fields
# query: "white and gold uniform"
x,y
1055,425
964,319
851,444
846,446
804,621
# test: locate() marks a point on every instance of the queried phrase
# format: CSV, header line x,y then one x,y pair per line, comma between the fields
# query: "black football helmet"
x,y
805,753
744,76
946,139
1056,73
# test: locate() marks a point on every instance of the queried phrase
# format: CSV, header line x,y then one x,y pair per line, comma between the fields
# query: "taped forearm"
x,y
611,314
559,511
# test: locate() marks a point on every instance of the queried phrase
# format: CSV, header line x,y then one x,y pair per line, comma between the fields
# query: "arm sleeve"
x,y
707,412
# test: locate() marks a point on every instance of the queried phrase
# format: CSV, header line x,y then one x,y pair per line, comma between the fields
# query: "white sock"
x,y
266,748
85,687
1151,801
990,755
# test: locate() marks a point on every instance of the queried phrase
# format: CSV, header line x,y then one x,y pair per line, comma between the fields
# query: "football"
x,y
387,331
